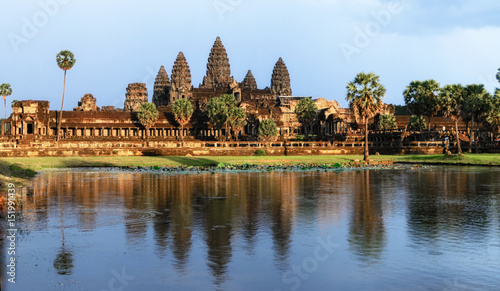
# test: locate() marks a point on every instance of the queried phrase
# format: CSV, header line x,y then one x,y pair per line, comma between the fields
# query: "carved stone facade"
x,y
87,103
181,80
249,81
218,69
135,96
280,80
162,84
28,118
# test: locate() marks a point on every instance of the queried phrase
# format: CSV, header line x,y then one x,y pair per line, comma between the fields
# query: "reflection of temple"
x,y
33,119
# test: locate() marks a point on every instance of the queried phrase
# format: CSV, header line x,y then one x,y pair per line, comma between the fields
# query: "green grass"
x,y
38,163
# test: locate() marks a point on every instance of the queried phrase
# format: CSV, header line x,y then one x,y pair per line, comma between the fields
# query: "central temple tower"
x,y
218,70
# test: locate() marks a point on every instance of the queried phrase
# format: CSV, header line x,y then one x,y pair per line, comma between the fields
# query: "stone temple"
x,y
33,120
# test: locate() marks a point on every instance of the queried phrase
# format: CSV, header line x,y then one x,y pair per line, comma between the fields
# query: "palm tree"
x,y
364,95
183,110
476,106
148,114
218,111
306,113
237,119
420,97
268,129
450,102
65,60
5,90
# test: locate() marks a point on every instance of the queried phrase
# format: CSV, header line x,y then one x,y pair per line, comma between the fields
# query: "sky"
x,y
324,44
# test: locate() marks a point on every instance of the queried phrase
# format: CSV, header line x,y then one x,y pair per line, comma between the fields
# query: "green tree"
x,y
148,115
268,129
5,90
218,111
477,106
364,95
450,102
494,118
386,122
65,60
237,119
417,122
306,113
421,98
183,110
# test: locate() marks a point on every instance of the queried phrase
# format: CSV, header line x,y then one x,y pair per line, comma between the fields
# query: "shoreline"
x,y
26,167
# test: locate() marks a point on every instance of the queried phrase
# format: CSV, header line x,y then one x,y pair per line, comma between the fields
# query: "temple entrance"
x,y
29,128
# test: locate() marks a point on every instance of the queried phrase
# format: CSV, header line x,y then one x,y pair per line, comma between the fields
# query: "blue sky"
x,y
324,43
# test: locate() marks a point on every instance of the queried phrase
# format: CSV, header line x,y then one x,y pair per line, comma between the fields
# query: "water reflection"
x,y
224,221
451,203
367,233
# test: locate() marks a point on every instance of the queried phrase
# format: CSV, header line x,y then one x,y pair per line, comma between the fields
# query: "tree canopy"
x,y
386,122
218,110
476,107
237,119
417,122
365,94
65,60
421,98
268,129
148,114
306,112
450,102
5,89
183,110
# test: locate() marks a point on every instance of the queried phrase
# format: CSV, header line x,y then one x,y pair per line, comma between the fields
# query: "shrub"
x,y
260,153
417,122
267,129
386,122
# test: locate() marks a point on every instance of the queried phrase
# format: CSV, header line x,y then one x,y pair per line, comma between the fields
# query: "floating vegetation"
x,y
229,168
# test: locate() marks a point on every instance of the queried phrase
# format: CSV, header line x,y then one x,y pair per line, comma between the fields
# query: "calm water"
x,y
434,228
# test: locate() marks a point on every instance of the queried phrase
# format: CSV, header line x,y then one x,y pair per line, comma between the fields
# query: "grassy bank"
x,y
35,163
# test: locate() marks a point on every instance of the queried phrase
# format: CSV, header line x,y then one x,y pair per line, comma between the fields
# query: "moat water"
x,y
429,228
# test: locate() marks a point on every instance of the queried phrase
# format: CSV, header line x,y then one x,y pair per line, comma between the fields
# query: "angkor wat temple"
x,y
33,121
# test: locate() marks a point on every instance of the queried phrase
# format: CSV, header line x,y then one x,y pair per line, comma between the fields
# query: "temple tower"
x,y
162,84
218,70
249,81
280,80
135,96
87,103
181,80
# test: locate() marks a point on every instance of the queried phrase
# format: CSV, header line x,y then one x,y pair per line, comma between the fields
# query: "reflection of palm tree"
x,y
64,259
367,233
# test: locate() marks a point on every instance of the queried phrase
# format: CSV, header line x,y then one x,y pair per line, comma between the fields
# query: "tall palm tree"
x,y
306,113
477,106
183,110
450,102
148,115
5,90
364,95
65,60
420,97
